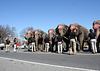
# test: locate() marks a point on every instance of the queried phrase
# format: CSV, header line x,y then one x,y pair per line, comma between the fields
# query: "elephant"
x,y
28,36
81,32
62,30
39,34
52,38
96,27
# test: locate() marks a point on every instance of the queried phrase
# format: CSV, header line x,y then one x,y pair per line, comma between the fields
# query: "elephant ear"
x,y
79,26
79,31
57,32
66,27
69,29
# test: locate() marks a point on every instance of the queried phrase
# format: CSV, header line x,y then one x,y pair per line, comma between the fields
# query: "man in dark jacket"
x,y
73,39
15,42
33,43
7,45
46,40
92,38
40,41
59,39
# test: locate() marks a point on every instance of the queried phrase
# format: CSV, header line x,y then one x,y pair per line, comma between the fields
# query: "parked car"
x,y
2,45
86,46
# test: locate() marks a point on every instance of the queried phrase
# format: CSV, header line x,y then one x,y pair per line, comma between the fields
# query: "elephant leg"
x,y
43,45
29,47
98,41
36,45
98,50
67,46
56,46
39,47
89,45
81,38
51,47
81,48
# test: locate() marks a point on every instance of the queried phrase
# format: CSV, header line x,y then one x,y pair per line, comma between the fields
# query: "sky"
x,y
48,14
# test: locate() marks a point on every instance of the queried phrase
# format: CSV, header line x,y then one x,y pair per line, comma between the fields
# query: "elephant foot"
x,y
37,50
29,50
81,51
41,50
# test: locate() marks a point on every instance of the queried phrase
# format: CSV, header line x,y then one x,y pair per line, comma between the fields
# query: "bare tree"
x,y
1,33
5,31
13,31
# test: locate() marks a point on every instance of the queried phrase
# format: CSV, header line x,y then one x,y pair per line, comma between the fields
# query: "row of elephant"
x,y
64,31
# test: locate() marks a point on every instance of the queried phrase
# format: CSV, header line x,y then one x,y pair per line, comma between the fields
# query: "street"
x,y
41,61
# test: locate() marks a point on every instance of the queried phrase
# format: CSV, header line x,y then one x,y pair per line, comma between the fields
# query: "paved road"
x,y
40,61
14,65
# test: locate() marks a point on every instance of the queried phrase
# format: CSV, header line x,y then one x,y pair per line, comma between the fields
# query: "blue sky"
x,y
47,14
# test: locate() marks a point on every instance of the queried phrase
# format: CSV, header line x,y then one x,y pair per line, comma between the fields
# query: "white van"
x,y
2,45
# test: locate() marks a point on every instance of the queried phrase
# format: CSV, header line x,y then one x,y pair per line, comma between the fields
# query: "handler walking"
x,y
7,45
15,42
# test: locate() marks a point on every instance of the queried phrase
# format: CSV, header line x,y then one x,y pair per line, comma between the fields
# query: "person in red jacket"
x,y
19,44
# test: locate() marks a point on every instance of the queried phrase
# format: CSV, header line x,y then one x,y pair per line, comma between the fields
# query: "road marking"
x,y
57,66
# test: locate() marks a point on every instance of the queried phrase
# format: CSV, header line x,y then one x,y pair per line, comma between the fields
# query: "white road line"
x,y
74,68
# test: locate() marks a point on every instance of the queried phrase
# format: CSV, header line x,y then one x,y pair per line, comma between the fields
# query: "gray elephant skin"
x,y
62,30
81,32
96,27
53,39
38,35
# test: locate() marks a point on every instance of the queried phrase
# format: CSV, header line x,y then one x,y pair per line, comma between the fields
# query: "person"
x,y
19,44
46,40
7,45
15,42
40,43
73,39
92,38
29,42
33,43
59,39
